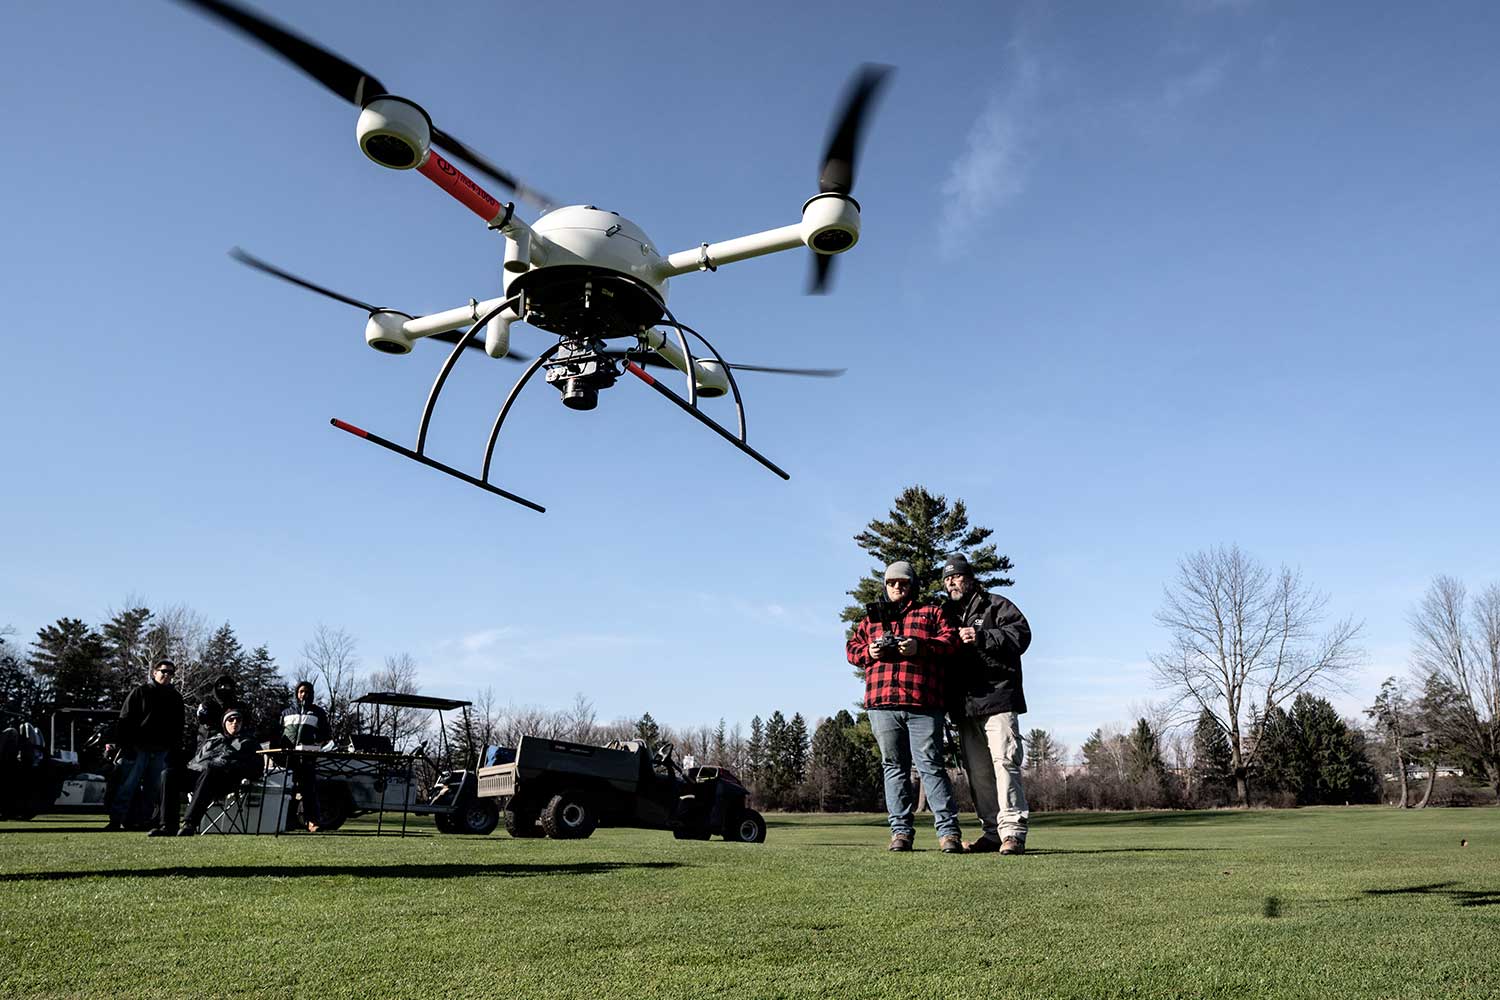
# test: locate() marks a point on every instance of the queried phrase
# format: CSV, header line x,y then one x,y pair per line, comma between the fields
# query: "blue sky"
x,y
1133,282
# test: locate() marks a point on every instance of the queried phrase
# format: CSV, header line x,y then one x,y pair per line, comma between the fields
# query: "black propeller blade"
x,y
451,337
836,176
260,265
349,82
650,360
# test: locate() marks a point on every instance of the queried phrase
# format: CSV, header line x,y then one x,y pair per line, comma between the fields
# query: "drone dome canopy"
x,y
583,234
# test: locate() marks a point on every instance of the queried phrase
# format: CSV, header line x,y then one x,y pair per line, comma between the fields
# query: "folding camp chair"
x,y
229,813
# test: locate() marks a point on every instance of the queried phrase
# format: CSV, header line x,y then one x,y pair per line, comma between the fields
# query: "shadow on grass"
x,y
96,828
1462,897
1117,850
1179,818
359,871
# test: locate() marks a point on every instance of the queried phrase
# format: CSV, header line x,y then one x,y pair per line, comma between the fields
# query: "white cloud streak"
x,y
992,168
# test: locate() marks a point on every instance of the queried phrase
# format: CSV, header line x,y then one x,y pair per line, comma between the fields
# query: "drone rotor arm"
x,y
710,256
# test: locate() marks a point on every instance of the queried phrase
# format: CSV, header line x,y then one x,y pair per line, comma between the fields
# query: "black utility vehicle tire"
x,y
480,817
521,825
333,805
751,829
569,816
691,834
444,823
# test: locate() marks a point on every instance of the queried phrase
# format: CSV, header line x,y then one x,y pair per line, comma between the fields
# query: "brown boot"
x,y
951,844
900,842
1012,845
984,845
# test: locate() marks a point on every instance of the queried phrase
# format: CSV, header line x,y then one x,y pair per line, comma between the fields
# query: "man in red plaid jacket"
x,y
903,645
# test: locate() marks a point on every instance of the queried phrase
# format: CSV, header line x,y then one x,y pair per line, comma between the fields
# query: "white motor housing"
x,y
497,334
386,333
711,379
394,132
830,223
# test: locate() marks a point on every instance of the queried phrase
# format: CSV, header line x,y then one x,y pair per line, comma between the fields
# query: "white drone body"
x,y
396,133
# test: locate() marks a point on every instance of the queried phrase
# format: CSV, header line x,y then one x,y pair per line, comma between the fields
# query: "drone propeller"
x,y
450,337
655,361
350,83
836,175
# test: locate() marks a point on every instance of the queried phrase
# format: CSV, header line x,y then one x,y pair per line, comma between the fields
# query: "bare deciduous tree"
x,y
330,656
399,676
1242,636
1457,642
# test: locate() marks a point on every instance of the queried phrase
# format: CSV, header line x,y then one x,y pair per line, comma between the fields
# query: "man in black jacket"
x,y
992,635
150,729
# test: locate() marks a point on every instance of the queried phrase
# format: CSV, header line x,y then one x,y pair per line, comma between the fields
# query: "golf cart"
x,y
564,790
37,774
371,774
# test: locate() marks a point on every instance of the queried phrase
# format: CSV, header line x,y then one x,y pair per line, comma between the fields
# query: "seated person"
x,y
223,761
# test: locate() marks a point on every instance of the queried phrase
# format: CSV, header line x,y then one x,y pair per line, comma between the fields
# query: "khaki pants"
x,y
992,756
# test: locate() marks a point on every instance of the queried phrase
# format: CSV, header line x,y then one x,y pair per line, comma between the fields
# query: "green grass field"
x,y
1354,902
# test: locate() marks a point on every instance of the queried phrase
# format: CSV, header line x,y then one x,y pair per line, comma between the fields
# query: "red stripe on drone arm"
x,y
639,372
448,177
349,427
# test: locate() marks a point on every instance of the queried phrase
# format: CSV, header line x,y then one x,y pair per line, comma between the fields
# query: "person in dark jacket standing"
x,y
225,695
904,645
222,762
987,704
150,729
304,726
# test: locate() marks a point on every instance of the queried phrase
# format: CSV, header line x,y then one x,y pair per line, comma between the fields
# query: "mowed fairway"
x,y
1362,902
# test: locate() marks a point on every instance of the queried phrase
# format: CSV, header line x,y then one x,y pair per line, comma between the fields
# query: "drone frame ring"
x,y
510,399
448,365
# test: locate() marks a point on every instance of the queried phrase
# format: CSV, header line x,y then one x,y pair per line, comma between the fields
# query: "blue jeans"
x,y
906,736
147,766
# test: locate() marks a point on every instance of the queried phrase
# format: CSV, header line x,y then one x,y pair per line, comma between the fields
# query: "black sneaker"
x,y
188,831
114,826
162,831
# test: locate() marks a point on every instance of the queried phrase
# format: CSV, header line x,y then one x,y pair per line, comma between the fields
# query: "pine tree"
x,y
1213,766
19,691
924,530
775,773
1143,753
126,652
797,748
755,751
648,731
265,691
720,752
1041,750
70,661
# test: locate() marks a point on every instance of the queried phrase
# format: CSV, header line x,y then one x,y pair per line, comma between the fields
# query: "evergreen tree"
x,y
19,691
648,731
755,751
69,659
776,778
1041,750
265,691
1275,764
1334,768
797,748
924,530
720,752
1143,753
1213,766
125,651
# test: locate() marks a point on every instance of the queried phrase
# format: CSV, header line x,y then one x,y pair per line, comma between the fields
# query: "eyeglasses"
x,y
169,671
905,584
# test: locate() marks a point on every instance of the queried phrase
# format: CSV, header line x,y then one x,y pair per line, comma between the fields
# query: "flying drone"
x,y
587,275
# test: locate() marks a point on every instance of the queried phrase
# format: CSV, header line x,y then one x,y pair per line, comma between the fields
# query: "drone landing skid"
x,y
455,473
